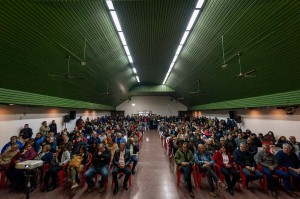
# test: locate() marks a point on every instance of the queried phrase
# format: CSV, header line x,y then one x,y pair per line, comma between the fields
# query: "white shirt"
x,y
225,158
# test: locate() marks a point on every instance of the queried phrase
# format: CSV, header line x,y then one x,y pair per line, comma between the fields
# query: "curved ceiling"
x,y
37,35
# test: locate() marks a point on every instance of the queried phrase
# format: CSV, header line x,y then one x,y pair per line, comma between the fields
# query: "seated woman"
x,y
60,159
224,160
282,140
45,155
16,176
74,171
8,155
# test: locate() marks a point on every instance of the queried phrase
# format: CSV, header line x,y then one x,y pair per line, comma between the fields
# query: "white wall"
x,y
13,118
159,105
264,120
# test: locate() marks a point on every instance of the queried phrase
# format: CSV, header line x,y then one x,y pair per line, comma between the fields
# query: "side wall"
x,y
263,120
13,118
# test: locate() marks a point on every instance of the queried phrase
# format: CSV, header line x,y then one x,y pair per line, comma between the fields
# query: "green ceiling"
x,y
37,35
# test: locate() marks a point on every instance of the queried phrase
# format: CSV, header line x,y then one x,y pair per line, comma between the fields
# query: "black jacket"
x,y
135,148
101,160
127,157
243,159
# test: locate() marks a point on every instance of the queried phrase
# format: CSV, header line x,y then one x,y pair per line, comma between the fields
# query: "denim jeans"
x,y
251,176
186,171
280,173
103,171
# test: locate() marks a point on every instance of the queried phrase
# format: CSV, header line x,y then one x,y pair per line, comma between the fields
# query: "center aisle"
x,y
155,178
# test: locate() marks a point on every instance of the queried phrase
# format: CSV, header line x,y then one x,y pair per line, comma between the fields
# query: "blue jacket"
x,y
243,159
287,160
9,144
201,158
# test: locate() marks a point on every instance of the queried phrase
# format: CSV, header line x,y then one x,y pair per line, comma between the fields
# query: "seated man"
x,y
13,140
134,149
205,163
121,163
269,165
26,133
290,161
295,145
94,138
8,155
184,159
244,159
99,164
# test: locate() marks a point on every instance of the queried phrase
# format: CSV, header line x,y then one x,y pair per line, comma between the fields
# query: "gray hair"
x,y
286,145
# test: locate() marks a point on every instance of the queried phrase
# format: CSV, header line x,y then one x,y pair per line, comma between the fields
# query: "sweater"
x,y
287,160
266,160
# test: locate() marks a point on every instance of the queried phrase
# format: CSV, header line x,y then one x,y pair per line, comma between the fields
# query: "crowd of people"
x,y
217,147
93,147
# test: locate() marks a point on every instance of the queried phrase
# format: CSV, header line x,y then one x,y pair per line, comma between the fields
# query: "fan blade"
x,y
251,71
194,92
70,77
249,76
56,75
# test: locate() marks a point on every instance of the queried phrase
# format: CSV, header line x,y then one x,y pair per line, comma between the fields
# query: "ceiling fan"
x,y
246,74
107,92
198,92
225,65
67,75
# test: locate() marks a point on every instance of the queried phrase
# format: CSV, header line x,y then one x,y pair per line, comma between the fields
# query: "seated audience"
x,y
94,138
111,144
45,155
53,127
100,161
60,159
256,140
134,149
44,129
251,147
281,141
13,140
269,137
185,160
38,140
74,170
295,145
269,165
290,161
205,163
120,139
244,159
121,161
26,133
225,161
7,156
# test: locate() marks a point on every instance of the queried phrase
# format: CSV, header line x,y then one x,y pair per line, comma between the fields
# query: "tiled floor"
x,y
155,179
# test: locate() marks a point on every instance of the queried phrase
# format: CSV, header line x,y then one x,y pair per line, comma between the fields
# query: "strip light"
x,y
116,21
185,36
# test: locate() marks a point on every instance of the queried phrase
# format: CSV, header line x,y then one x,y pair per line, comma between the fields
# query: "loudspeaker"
x,y
238,119
66,118
232,114
72,115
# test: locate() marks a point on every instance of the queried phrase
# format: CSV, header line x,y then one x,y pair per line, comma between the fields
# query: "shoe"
x,y
125,187
212,194
192,195
102,189
74,186
89,190
133,172
116,189
120,176
222,185
290,193
51,188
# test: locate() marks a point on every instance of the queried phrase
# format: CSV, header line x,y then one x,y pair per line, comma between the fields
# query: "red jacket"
x,y
218,158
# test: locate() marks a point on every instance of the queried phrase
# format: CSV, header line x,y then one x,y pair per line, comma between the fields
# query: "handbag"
x,y
76,161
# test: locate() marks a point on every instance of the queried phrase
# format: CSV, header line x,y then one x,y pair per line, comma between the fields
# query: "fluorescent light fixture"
x,y
192,20
130,59
110,5
123,40
133,104
172,64
185,35
116,20
134,70
137,79
178,49
200,4
127,50
175,58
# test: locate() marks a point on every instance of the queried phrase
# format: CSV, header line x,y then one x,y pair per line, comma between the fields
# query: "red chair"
x,y
221,175
265,182
129,179
179,173
61,175
244,178
86,166
3,178
45,168
200,175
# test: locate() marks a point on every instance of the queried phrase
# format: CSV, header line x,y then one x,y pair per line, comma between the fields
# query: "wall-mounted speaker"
x,y
232,114
66,118
72,115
